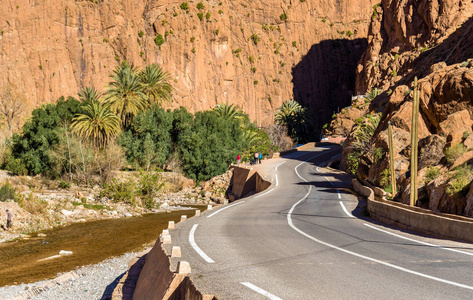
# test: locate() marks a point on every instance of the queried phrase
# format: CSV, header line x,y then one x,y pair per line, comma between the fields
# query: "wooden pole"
x,y
391,160
415,109
416,149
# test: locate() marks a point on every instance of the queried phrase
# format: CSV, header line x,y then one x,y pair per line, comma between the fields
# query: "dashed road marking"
x,y
260,291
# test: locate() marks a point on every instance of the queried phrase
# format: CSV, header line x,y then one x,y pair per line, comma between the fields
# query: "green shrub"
x,y
16,167
385,179
453,153
7,192
432,173
294,44
465,135
378,153
120,191
251,59
200,16
200,5
192,39
148,142
255,82
159,39
236,51
253,69
207,16
184,6
255,38
220,12
31,148
353,160
460,181
283,17
64,185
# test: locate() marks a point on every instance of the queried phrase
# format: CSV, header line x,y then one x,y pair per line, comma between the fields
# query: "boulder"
x,y
430,151
454,127
436,191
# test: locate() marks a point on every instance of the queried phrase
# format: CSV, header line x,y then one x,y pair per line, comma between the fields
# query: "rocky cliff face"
x,y
254,54
431,40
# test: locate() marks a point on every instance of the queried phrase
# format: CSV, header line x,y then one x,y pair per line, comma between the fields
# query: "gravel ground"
x,y
93,282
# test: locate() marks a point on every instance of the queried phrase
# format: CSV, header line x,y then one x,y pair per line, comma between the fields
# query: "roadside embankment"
x,y
416,218
154,274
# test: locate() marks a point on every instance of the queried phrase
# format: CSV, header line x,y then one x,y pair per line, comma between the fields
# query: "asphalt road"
x,y
306,237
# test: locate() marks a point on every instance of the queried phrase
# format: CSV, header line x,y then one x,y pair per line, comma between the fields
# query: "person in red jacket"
x,y
238,159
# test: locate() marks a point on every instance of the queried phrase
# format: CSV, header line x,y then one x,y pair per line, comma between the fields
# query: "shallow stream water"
x,y
90,243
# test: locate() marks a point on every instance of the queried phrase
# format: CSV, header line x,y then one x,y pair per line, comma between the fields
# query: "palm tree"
x,y
97,123
125,95
228,112
292,115
370,95
155,84
87,94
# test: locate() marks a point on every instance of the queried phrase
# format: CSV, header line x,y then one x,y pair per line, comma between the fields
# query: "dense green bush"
x,y
210,146
147,142
39,134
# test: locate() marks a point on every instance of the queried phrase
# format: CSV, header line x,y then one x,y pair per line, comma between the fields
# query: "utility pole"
x,y
391,160
414,144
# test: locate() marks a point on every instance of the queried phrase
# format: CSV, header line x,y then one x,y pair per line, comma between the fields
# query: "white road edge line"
x,y
276,179
276,168
329,180
260,291
339,196
263,194
228,206
196,248
345,210
420,242
289,221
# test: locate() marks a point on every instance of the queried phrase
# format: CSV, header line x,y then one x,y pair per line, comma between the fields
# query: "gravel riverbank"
x,y
86,282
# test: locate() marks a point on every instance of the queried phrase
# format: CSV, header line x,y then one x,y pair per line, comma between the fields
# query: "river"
x,y
90,242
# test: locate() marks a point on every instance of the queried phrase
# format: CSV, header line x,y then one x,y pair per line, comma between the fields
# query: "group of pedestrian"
x,y
257,157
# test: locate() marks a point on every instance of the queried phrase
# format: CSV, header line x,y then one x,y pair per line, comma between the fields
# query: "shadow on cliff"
x,y
324,80
454,49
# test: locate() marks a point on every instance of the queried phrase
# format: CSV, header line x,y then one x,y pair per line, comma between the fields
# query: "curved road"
x,y
305,238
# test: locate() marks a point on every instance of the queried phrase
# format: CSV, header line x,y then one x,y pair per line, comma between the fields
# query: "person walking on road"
x,y
8,219
238,159
260,157
256,157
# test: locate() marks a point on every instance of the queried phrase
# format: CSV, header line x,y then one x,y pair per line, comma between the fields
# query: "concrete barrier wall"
x,y
246,181
363,190
261,184
156,275
401,215
416,218
150,275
